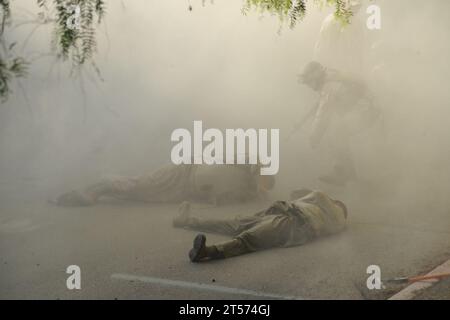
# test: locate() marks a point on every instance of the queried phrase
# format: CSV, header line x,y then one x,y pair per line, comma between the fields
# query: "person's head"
x,y
313,75
266,182
342,206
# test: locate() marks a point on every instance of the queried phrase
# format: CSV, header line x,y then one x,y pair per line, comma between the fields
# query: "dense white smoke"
x,y
165,66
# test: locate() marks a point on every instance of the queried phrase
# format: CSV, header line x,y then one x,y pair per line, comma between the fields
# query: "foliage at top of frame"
x,y
77,44
293,11
10,67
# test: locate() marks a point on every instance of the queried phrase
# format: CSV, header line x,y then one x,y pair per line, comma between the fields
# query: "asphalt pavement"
x,y
129,250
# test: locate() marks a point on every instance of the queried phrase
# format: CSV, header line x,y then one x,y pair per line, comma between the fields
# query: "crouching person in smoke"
x,y
345,108
309,214
215,184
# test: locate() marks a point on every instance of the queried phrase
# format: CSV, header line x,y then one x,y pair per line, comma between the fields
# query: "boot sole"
x,y
198,246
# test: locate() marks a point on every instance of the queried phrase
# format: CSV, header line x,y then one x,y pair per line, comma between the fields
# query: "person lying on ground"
x,y
307,216
214,184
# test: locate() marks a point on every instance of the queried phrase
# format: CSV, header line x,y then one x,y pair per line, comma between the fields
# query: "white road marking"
x,y
19,225
201,286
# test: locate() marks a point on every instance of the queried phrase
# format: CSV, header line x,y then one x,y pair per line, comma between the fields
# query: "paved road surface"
x,y
38,241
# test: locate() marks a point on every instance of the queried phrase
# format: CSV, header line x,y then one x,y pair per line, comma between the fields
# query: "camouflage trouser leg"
x,y
118,187
271,231
230,227
275,227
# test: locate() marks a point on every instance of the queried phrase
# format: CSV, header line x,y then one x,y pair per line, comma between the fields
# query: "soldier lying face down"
x,y
215,184
309,214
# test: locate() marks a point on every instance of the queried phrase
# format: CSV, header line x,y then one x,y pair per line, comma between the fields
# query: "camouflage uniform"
x,y
284,224
176,183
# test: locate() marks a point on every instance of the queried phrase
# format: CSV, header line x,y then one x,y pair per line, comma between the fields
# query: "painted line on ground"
x,y
201,286
413,289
